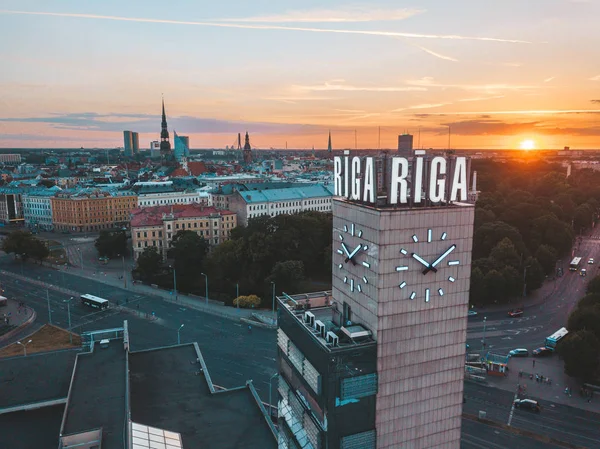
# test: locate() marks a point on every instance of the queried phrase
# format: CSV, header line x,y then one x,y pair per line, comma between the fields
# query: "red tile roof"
x,y
152,216
194,168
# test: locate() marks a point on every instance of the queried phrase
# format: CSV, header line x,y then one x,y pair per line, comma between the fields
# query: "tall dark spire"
x,y
329,143
165,145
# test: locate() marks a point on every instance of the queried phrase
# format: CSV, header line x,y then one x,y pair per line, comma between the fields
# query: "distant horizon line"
x,y
5,150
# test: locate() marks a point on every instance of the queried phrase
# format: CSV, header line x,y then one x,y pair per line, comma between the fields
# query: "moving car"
x,y
528,404
515,313
472,313
542,352
521,352
591,261
583,272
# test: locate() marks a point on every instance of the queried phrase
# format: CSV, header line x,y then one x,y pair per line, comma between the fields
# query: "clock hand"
x,y
443,256
352,254
439,259
345,249
422,261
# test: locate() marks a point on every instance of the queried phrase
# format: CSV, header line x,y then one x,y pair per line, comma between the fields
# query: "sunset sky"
x,y
498,73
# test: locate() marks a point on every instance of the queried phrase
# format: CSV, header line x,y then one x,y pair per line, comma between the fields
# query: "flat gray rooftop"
x,y
166,393
98,394
37,428
35,378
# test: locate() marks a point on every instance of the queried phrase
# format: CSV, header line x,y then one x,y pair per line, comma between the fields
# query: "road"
x,y
219,339
538,322
559,421
476,435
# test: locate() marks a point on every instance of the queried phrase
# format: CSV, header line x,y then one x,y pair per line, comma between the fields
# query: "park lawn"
x,y
47,338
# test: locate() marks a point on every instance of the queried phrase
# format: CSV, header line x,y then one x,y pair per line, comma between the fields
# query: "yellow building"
x,y
156,226
89,210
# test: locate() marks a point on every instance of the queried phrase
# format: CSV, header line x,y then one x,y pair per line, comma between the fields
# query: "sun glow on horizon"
x,y
527,144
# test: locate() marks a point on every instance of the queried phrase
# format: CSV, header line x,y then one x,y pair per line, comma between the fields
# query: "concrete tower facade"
x,y
417,315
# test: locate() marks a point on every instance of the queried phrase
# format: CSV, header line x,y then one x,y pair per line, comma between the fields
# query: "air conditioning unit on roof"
x,y
332,339
309,318
320,328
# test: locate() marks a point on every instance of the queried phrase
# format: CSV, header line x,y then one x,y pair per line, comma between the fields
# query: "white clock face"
x,y
439,264
352,258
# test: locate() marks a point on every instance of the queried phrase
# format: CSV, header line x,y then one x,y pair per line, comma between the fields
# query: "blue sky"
x,y
78,72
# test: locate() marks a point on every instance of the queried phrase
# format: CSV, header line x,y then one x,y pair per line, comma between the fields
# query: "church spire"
x,y
165,145
329,143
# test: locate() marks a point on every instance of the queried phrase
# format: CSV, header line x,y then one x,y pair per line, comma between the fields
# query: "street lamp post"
x,y
273,307
124,274
69,315
525,281
206,282
175,283
483,340
24,347
270,388
49,309
237,293
178,331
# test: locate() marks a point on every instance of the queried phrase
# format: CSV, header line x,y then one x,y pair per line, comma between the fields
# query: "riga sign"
x,y
355,178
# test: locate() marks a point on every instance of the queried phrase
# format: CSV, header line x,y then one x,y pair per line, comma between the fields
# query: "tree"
x,y
287,275
535,274
580,353
589,300
15,242
477,292
149,263
47,183
584,215
25,245
504,253
111,244
490,234
494,285
547,257
585,318
593,286
189,251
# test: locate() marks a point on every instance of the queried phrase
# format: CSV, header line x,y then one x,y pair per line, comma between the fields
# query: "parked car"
x,y
528,404
521,352
515,313
542,352
591,261
472,313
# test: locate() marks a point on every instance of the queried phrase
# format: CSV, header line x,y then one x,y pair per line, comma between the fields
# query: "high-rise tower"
x,y
247,150
165,145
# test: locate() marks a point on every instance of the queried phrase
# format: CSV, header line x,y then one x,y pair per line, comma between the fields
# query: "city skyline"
x,y
500,76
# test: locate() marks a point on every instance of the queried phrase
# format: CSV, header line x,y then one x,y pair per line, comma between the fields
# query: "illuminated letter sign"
x,y
355,178
399,174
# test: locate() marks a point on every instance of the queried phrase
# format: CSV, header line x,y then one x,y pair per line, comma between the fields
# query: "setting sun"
x,y
528,145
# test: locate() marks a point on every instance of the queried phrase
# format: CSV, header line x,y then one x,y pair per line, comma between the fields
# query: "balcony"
x,y
320,316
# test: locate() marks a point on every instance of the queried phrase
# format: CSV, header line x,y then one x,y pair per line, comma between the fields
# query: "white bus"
x,y
557,336
94,301
574,265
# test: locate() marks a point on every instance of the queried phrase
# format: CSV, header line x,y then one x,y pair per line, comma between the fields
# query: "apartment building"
x,y
37,208
156,226
88,210
272,202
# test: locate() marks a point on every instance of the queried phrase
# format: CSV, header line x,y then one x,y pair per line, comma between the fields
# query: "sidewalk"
x,y
14,318
197,303
550,367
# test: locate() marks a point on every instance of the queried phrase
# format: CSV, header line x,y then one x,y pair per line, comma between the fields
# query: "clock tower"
x,y
404,274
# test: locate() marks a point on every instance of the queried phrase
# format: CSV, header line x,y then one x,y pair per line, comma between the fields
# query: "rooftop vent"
x,y
356,331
